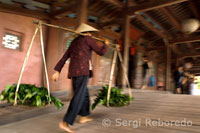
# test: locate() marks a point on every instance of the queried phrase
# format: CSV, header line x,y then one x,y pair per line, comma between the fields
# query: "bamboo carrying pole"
x,y
73,31
116,52
111,75
115,46
24,64
39,26
124,69
44,61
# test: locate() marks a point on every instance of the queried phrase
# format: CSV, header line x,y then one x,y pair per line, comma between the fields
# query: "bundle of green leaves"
x,y
29,95
116,98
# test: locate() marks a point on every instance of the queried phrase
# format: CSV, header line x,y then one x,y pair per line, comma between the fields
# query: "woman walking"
x,y
80,68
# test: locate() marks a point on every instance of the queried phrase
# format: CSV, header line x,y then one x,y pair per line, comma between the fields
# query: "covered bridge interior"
x,y
149,28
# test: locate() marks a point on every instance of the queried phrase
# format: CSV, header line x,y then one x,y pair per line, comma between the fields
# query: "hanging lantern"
x,y
190,25
132,50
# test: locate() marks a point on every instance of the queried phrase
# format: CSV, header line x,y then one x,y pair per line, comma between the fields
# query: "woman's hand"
x,y
106,41
55,76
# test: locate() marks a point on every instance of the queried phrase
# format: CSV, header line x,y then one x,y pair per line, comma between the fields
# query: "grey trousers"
x,y
80,103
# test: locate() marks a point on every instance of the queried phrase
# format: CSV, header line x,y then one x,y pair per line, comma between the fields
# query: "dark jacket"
x,y
178,76
80,52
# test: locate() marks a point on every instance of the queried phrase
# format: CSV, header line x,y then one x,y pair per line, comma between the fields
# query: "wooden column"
x,y
81,12
126,44
96,64
138,80
52,54
168,68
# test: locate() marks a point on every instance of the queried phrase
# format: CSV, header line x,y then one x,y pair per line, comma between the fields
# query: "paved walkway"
x,y
151,112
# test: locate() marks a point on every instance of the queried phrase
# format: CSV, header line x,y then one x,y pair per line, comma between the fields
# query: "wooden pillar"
x,y
81,12
126,43
138,80
52,49
96,63
168,68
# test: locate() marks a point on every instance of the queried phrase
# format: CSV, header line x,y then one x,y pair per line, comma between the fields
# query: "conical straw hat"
x,y
85,28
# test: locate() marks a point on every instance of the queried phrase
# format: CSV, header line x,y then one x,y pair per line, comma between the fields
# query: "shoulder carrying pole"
x,y
116,52
111,75
44,61
70,30
39,27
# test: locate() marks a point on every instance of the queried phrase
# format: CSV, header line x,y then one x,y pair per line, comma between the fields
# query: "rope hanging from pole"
x,y
44,60
24,64
39,27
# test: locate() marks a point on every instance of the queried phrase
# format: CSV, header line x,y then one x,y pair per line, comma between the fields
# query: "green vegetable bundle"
x,y
116,98
29,95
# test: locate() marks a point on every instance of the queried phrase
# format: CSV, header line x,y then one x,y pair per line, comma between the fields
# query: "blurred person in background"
x,y
178,78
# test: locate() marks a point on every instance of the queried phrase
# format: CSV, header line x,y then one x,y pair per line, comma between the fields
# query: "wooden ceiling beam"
x,y
196,66
93,5
155,21
96,9
170,17
50,2
167,11
176,50
156,48
194,8
189,55
150,26
24,12
195,72
185,40
114,2
197,47
152,5
111,22
65,11
44,1
162,28
189,45
193,69
104,9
